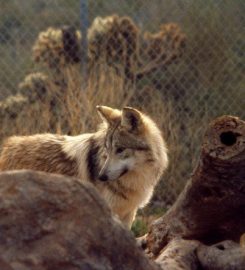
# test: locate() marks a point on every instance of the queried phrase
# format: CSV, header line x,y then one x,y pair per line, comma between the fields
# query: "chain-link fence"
x,y
180,61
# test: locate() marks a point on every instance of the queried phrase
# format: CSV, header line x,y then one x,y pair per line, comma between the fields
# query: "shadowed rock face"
x,y
53,222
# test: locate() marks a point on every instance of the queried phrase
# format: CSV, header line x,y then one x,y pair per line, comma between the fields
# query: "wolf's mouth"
x,y
104,177
123,172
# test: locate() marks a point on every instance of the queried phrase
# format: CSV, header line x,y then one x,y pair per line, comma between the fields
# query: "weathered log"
x,y
54,222
226,255
182,254
179,254
211,207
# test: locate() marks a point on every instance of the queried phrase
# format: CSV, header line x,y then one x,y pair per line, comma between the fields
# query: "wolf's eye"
x,y
120,150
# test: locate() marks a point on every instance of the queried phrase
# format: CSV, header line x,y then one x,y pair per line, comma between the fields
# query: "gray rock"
x,y
54,222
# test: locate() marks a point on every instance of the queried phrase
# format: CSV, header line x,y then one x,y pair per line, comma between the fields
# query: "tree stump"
x,y
211,207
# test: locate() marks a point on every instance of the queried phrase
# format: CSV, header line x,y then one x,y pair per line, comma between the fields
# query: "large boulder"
x,y
54,222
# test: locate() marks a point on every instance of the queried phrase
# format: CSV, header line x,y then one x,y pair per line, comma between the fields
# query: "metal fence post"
x,y
84,28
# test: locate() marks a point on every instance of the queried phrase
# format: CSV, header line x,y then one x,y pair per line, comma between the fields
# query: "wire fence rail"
x,y
180,61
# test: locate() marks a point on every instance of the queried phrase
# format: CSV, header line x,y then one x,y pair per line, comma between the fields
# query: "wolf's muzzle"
x,y
103,177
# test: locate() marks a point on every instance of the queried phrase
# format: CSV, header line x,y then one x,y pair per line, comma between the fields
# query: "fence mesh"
x,y
180,61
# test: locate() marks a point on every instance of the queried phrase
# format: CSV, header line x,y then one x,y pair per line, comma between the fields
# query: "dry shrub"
x,y
64,108
11,109
169,40
118,42
70,108
58,47
115,41
19,116
30,111
35,86
113,38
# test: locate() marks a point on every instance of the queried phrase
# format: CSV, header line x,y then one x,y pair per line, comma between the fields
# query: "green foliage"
x,y
144,218
139,227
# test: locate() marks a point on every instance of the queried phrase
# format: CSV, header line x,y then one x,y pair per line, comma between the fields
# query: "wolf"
x,y
124,159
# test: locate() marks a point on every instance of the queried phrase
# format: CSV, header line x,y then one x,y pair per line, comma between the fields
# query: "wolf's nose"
x,y
103,177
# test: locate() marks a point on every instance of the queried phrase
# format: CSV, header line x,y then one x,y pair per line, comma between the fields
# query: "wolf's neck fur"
x,y
78,148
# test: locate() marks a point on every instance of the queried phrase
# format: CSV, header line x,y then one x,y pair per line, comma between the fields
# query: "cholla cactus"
x,y
35,86
11,107
168,42
58,47
118,42
160,49
113,39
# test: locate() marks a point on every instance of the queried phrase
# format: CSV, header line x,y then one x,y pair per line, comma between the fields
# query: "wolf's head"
x,y
127,142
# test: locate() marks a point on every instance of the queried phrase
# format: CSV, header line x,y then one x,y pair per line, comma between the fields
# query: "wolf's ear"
x,y
107,114
131,119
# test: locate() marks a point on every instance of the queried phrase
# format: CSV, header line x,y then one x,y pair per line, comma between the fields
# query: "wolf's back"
x,y
42,152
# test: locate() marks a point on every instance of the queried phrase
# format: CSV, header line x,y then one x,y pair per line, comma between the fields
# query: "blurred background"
x,y
181,61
